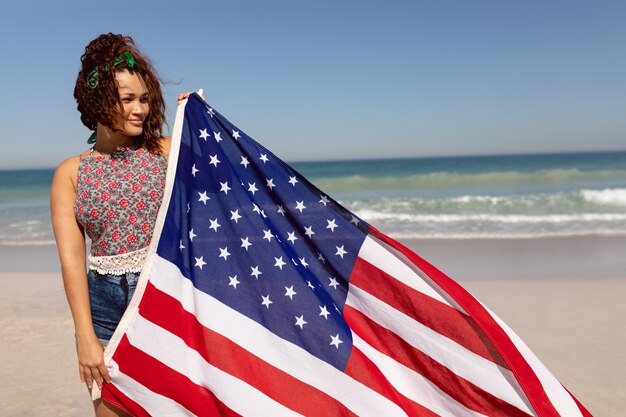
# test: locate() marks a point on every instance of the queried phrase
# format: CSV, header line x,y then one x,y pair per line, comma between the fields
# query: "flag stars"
x,y
331,225
224,253
333,282
252,188
210,112
289,292
188,207
267,234
181,246
234,215
194,170
233,282
245,243
292,237
256,208
255,272
235,134
263,158
310,285
203,197
280,263
324,200
354,220
200,262
204,134
324,312
244,162
266,301
270,183
224,187
192,235
293,180
300,205
340,251
335,341
300,321
281,211
214,161
303,262
321,258
214,224
218,138
309,231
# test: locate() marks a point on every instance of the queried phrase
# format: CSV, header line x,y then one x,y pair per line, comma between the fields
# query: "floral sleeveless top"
x,y
117,200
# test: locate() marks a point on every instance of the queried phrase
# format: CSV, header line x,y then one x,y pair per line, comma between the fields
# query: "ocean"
x,y
509,196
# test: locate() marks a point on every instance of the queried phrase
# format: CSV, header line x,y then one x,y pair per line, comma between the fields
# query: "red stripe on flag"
x,y
112,395
362,369
523,372
167,312
167,382
432,313
393,346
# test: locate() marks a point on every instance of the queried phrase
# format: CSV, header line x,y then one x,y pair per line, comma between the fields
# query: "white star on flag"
x,y
224,253
200,262
300,321
255,272
290,292
203,197
279,263
234,215
233,281
224,187
214,161
214,224
204,134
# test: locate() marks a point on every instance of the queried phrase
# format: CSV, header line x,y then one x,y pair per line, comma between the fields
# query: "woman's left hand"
x,y
184,95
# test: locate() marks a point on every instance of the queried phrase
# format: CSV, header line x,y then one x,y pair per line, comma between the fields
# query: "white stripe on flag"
x,y
270,348
474,368
155,404
396,265
413,385
559,397
172,351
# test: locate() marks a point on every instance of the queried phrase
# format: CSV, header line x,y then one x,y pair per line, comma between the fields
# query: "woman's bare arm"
x,y
70,240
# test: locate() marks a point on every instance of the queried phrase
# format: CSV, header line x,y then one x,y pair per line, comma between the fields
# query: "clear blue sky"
x,y
330,79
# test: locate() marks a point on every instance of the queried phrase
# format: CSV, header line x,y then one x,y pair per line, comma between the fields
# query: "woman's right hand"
x,y
91,361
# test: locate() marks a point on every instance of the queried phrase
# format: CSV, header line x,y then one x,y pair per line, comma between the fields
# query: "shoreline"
x,y
577,257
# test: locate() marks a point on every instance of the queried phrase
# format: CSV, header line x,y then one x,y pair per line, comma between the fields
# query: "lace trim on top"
x,y
119,264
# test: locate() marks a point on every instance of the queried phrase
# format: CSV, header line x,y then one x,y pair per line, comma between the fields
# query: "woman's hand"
x,y
91,362
184,95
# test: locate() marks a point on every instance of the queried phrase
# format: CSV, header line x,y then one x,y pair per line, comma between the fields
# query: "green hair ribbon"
x,y
93,78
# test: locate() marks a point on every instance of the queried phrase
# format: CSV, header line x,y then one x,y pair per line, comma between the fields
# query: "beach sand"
x,y
571,317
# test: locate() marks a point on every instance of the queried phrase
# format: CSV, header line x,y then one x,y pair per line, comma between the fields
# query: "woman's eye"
x,y
144,99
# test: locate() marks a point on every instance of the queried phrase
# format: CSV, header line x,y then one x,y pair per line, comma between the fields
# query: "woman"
x,y
112,192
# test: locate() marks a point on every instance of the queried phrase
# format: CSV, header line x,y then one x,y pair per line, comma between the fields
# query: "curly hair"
x,y
102,103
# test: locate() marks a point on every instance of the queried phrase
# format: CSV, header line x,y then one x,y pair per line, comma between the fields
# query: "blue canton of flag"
x,y
259,237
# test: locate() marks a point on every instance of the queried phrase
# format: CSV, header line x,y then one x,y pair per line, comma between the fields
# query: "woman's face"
x,y
134,97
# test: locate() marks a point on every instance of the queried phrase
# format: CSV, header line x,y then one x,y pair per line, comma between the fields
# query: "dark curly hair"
x,y
102,103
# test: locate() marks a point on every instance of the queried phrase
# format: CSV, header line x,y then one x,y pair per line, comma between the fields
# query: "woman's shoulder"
x,y
68,168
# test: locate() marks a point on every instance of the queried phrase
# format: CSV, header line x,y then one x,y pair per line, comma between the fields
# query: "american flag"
x,y
263,296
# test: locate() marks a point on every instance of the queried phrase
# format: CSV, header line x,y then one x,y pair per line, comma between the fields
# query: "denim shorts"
x,y
109,295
